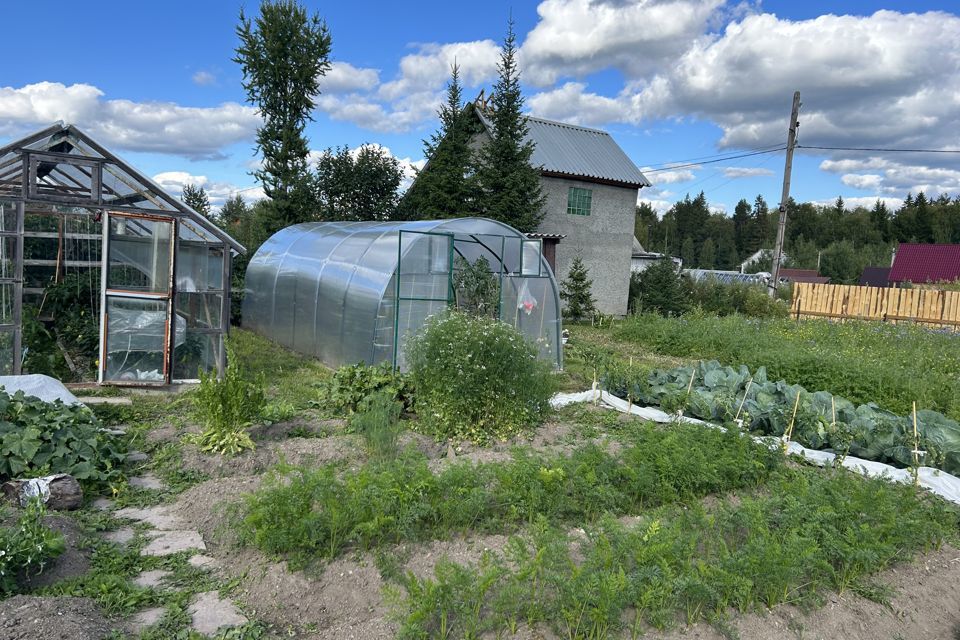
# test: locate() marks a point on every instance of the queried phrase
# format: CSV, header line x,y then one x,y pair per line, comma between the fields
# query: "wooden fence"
x,y
924,306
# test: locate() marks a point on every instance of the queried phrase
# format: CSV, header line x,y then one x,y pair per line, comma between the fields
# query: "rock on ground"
x,y
209,612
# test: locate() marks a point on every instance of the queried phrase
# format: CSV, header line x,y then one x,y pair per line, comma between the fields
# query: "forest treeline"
x,y
841,240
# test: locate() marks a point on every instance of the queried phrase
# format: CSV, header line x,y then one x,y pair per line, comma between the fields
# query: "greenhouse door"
x,y
424,284
136,303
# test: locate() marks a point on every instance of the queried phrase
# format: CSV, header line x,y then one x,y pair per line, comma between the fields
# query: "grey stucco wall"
x,y
603,240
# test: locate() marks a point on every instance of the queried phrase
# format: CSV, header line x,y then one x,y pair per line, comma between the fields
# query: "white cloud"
x,y
571,103
746,172
343,77
891,177
161,127
668,176
218,192
204,78
578,37
866,202
429,68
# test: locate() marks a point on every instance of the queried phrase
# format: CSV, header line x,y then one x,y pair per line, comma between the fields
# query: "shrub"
x,y
349,385
477,379
658,288
226,407
725,299
26,546
40,438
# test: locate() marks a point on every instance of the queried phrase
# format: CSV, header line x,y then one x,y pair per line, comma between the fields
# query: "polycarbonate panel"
x,y
328,289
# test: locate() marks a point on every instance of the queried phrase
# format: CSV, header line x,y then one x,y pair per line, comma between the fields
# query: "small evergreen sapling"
x,y
576,292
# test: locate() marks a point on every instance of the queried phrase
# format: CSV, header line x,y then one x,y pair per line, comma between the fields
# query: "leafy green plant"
x,y
350,385
476,287
26,546
378,421
40,438
226,407
477,379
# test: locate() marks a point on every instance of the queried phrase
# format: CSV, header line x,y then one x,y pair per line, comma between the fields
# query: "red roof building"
x,y
921,263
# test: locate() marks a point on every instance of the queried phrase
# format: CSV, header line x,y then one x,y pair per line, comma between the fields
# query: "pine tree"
x,y
688,253
196,198
509,186
575,292
708,254
445,187
283,54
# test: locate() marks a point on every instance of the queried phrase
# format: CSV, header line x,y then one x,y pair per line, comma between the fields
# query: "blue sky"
x,y
671,80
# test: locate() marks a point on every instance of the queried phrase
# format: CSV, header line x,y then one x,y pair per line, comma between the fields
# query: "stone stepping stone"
x,y
103,504
209,613
158,517
146,618
120,536
114,432
148,481
151,578
166,543
105,400
137,456
201,561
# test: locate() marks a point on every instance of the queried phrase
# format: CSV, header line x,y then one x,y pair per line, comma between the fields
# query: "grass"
x,y
892,365
805,533
306,512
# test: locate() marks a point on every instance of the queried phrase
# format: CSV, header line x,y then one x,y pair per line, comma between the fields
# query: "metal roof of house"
x,y
803,275
921,263
578,152
875,277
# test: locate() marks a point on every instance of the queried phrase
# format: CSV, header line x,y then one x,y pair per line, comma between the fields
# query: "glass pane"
x,y
199,351
120,189
6,303
200,310
136,335
531,258
139,254
8,256
6,353
8,216
199,267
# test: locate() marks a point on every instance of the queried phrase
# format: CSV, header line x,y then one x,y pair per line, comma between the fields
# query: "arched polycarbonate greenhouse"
x,y
349,292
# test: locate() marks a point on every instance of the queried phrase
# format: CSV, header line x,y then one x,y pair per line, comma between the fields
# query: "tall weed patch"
x,y
477,379
226,407
891,365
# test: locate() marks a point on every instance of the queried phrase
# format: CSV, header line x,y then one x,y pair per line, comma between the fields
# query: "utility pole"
x,y
785,196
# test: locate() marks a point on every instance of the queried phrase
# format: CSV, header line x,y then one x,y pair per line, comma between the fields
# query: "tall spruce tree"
x,y
576,293
283,54
445,187
509,186
196,198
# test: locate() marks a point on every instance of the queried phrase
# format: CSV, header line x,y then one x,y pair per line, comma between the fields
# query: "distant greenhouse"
x,y
348,292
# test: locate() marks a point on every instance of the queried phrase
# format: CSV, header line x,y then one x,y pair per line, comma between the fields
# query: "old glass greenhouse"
x,y
348,292
104,275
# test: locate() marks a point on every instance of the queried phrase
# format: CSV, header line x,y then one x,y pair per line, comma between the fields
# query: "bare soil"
x,y
296,451
51,618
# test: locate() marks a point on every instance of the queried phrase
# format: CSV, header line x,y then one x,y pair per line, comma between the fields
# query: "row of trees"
x,y
837,239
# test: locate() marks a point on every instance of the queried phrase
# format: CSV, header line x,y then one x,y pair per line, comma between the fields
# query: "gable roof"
x,y
567,150
61,146
926,263
875,277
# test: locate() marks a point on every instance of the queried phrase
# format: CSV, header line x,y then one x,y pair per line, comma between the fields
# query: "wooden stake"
x,y
789,432
596,393
833,409
692,376
743,399
916,447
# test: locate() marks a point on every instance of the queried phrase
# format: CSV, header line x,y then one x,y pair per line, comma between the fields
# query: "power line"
x,y
702,159
878,149
724,159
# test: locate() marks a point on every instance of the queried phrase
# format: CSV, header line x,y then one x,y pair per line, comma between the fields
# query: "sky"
x,y
675,82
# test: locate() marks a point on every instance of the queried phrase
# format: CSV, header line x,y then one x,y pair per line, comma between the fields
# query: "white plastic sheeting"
x,y
44,387
943,484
